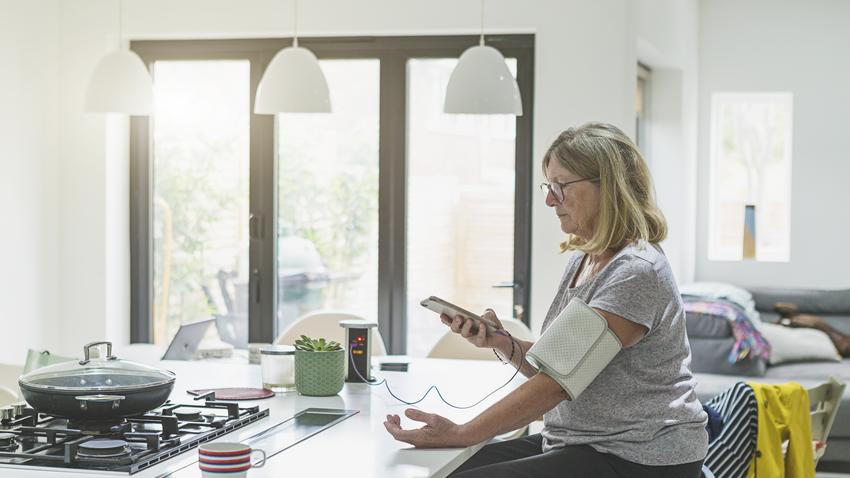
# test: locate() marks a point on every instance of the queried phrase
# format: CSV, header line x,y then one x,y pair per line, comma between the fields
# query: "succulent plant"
x,y
316,345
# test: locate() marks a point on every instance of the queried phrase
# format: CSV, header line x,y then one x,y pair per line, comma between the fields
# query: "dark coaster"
x,y
237,393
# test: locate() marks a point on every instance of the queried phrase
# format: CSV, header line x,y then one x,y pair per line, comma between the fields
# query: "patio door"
x,y
199,207
461,195
327,187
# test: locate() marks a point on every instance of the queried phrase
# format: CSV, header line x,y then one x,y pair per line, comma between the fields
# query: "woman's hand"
x,y
483,338
438,432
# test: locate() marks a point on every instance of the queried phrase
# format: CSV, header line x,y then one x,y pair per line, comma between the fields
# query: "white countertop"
x,y
358,446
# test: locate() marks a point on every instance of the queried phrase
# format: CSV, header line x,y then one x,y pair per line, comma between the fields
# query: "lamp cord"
x,y
481,39
294,22
120,24
434,387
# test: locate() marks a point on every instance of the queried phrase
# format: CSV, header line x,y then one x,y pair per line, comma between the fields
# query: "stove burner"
x,y
128,445
100,427
7,441
102,448
188,416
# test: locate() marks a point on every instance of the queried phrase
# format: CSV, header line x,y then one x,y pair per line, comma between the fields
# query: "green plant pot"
x,y
319,374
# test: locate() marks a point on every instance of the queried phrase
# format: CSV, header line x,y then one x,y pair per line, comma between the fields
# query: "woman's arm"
x,y
519,408
541,393
530,401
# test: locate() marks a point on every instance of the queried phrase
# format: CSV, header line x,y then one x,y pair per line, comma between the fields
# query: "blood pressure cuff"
x,y
575,348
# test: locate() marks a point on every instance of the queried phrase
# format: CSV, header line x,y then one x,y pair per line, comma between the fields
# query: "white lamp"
x,y
120,82
481,82
293,82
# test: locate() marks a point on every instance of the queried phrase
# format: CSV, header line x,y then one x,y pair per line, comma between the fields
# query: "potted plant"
x,y
319,367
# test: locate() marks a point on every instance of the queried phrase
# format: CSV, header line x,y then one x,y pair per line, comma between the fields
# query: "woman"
x,y
640,415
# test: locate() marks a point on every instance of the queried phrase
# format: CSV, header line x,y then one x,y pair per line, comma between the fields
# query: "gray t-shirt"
x,y
642,407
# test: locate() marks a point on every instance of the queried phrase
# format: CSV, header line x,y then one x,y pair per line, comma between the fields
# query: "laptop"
x,y
186,340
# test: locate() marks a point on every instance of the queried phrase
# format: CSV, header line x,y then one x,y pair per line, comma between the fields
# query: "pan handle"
x,y
99,398
87,351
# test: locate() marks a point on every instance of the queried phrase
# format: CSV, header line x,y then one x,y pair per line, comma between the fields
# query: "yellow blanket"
x,y
783,414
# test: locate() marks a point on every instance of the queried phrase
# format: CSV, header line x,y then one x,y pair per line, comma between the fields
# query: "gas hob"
x,y
32,439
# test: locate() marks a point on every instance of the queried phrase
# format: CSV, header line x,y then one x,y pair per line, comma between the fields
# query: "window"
x,y
256,220
461,177
200,194
750,183
328,198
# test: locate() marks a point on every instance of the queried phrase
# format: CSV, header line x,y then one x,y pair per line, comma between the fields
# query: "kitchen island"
x,y
357,446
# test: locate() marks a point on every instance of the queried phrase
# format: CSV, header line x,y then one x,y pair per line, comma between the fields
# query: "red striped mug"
x,y
227,459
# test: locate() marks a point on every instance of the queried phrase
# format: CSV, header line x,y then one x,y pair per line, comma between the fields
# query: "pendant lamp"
x,y
120,82
481,82
293,82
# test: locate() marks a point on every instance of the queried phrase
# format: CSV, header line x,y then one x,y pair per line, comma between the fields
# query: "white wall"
x,y
801,47
666,32
63,183
87,32
28,161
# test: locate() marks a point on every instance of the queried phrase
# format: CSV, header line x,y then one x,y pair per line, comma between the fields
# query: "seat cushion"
x,y
707,326
798,345
809,301
807,374
711,355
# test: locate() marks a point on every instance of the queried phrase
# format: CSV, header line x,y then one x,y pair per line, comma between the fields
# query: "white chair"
x,y
824,401
7,396
454,346
9,383
325,324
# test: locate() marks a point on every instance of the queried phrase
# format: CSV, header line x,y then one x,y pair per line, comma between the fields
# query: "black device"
x,y
358,340
394,366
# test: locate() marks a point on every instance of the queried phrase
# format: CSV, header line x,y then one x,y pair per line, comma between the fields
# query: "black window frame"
x,y
393,53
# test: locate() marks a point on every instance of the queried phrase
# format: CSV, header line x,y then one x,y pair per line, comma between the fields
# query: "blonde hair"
x,y
627,209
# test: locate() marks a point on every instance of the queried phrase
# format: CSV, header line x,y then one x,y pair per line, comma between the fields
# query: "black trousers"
x,y
524,457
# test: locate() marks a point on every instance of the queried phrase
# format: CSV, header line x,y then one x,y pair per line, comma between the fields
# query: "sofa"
x,y
710,342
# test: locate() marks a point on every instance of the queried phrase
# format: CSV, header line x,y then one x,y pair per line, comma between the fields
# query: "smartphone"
x,y
441,306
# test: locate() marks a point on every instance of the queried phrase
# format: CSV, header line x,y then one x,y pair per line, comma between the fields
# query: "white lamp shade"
x,y
120,84
293,83
481,83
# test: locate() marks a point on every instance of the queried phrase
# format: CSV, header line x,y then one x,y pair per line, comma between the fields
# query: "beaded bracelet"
x,y
510,359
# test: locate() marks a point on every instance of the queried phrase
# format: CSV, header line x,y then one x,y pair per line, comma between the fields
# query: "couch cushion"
x,y
839,321
789,344
707,326
818,302
807,374
836,458
712,356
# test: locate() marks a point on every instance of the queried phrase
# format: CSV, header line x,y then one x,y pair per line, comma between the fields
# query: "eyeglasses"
x,y
557,189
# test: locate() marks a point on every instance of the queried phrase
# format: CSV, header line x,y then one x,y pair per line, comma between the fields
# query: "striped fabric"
x,y
729,454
